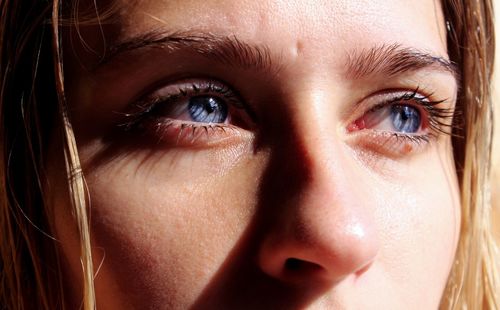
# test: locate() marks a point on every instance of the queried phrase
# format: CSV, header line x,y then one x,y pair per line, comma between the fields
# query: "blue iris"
x,y
207,109
405,119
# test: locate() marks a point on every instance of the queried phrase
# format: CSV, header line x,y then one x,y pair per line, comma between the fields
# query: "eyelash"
x,y
146,108
437,118
436,121
436,115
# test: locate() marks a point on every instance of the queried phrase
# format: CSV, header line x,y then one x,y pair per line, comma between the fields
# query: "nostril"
x,y
295,265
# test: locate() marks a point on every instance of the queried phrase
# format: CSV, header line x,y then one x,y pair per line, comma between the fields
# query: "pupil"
x,y
207,109
405,119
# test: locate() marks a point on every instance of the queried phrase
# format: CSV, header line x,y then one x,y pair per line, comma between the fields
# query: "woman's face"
x,y
265,154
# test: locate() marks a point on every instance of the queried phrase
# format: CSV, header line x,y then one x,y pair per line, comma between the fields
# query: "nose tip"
x,y
319,222
322,254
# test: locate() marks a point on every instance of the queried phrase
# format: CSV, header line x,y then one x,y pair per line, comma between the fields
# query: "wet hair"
x,y
33,114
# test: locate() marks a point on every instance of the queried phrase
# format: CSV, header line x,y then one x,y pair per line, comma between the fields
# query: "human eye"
x,y
191,112
399,123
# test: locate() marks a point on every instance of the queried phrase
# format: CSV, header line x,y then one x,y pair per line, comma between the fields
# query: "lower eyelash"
x,y
391,144
178,133
415,139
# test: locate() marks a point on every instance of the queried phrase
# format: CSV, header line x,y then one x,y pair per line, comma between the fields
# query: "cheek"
x,y
167,225
421,220
164,226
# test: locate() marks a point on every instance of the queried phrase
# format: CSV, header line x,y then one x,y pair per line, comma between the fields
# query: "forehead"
x,y
298,25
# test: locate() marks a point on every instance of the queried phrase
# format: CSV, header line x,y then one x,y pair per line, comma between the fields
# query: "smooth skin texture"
x,y
298,206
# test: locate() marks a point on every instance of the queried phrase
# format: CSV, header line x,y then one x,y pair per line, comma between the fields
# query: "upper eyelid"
x,y
436,108
154,98
172,90
227,94
407,97
207,84
424,102
439,119
387,97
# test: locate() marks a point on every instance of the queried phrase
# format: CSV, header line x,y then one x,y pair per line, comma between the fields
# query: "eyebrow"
x,y
387,59
228,50
394,59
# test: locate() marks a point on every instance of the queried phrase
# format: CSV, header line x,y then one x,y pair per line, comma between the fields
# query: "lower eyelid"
x,y
175,133
389,144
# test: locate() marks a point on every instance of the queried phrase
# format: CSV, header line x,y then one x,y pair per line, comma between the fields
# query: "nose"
x,y
322,228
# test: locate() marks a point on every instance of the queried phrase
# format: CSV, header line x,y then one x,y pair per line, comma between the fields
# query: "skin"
x,y
297,210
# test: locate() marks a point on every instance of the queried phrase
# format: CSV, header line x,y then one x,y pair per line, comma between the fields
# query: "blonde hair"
x,y
31,68
474,280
